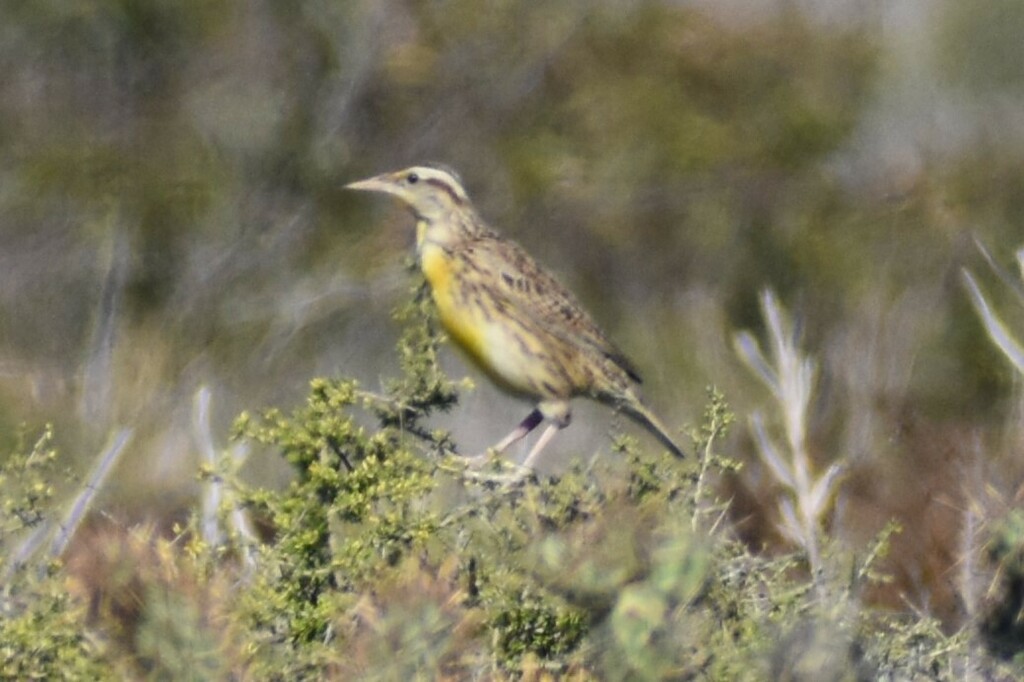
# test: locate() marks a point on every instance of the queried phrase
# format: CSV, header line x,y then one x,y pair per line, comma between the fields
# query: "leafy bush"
x,y
41,629
386,557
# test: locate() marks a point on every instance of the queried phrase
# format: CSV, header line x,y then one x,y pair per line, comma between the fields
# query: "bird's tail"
x,y
639,413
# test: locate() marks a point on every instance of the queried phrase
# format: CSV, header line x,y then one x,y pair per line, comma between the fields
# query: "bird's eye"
x,y
412,178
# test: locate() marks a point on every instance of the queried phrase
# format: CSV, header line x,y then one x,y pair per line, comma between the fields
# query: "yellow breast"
x,y
457,317
518,357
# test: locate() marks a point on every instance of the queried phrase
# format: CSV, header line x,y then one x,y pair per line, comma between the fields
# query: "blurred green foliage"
x,y
982,51
1003,626
172,181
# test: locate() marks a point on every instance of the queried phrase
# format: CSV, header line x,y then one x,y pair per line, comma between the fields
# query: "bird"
x,y
514,319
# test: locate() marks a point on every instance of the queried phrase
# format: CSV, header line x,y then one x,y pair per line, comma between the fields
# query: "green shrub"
x,y
42,633
385,557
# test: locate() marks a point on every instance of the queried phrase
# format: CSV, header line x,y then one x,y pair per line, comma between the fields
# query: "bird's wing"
x,y
535,292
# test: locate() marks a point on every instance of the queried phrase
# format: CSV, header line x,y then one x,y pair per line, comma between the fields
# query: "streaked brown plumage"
x,y
515,320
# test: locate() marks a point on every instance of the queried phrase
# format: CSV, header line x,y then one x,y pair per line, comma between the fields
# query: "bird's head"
x,y
434,194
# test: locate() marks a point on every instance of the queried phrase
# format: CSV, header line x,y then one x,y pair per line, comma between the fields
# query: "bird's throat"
x,y
421,235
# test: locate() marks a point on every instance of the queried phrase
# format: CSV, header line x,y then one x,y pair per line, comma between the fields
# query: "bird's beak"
x,y
379,183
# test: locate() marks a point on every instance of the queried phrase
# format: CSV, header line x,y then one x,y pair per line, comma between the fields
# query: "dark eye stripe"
x,y
441,184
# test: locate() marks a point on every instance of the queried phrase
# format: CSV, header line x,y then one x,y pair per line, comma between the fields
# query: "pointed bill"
x,y
379,183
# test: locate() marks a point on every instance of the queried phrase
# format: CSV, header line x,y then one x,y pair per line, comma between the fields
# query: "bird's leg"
x,y
558,412
549,433
526,468
521,431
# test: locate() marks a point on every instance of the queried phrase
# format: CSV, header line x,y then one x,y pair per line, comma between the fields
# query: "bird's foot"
x,y
477,462
491,468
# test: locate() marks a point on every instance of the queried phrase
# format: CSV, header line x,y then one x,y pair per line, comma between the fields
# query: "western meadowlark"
x,y
516,321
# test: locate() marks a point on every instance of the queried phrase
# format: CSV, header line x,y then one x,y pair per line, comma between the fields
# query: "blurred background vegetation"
x,y
171,217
